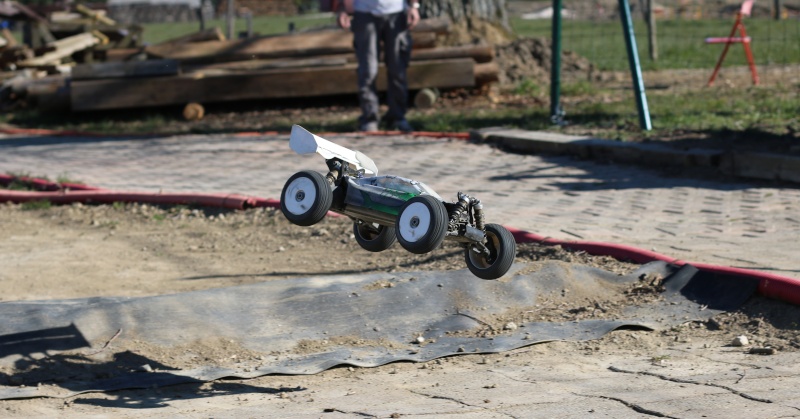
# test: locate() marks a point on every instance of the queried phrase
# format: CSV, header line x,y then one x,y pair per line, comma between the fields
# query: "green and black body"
x,y
387,208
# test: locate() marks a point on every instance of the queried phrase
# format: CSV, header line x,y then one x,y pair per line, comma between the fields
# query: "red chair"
x,y
743,39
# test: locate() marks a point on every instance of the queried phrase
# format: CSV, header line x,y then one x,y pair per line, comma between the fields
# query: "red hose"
x,y
230,201
770,285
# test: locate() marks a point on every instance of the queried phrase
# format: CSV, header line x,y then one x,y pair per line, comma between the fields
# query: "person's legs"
x,y
397,54
365,42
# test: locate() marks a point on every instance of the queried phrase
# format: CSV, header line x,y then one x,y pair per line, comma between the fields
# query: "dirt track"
x,y
135,250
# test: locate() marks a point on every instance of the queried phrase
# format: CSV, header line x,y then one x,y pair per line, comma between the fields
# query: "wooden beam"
x,y
258,65
108,70
95,15
63,48
479,53
8,37
122,54
272,84
211,34
305,44
486,73
438,25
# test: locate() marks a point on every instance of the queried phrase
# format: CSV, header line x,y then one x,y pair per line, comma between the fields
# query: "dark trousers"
x,y
390,32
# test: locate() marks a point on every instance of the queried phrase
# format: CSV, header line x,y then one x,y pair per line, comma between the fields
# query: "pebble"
x,y
420,339
510,326
740,341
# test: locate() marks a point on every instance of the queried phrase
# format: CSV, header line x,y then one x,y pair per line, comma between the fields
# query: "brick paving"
x,y
728,222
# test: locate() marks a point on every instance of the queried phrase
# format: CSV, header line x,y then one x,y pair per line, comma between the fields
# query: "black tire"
x,y
502,251
421,224
374,237
306,198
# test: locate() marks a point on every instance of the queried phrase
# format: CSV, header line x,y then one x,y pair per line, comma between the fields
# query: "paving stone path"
x,y
731,223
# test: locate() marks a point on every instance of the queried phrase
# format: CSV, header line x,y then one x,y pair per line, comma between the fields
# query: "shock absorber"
x,y
465,203
477,208
334,171
457,213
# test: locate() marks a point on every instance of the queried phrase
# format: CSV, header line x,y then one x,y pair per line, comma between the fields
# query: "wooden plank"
x,y
327,42
122,54
211,34
258,65
439,25
486,73
272,84
8,38
315,43
64,48
479,53
147,68
96,15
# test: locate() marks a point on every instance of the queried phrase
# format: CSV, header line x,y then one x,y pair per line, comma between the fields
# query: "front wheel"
x,y
373,237
421,224
501,249
306,198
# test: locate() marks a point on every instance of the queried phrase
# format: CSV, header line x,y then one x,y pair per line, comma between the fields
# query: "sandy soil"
x,y
138,250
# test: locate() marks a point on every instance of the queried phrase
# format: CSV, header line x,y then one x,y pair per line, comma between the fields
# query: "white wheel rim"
x,y
414,222
300,196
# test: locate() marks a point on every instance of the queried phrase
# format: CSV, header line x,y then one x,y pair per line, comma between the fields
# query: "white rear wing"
x,y
304,142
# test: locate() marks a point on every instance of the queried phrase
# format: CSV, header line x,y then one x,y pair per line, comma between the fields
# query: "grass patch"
x,y
680,42
36,205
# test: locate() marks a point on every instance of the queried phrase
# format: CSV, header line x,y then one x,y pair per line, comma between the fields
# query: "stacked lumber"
x,y
205,68
52,47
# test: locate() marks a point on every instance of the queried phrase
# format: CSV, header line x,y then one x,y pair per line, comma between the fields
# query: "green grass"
x,y
680,42
757,110
36,205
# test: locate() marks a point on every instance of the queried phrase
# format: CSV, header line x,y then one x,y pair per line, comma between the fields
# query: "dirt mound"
x,y
138,250
134,250
531,59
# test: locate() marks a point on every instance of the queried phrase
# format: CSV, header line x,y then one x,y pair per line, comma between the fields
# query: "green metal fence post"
x,y
636,68
556,113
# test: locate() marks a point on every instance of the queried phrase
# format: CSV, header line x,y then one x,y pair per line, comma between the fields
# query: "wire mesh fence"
x,y
677,55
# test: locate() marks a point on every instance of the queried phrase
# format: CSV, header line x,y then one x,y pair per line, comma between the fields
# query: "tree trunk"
x,y
474,21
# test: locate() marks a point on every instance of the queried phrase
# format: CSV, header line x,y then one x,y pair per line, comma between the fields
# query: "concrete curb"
x,y
745,164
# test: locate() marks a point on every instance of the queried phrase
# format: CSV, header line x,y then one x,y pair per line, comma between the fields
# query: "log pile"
x,y
204,67
39,64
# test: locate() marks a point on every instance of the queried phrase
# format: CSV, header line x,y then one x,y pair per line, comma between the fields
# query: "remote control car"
x,y
387,208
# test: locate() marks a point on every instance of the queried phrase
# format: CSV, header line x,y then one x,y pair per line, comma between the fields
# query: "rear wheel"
x,y
501,249
374,237
421,224
306,198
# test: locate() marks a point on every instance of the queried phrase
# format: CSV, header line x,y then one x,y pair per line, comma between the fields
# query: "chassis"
x,y
386,209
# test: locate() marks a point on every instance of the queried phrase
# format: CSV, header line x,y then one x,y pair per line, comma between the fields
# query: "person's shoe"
x,y
403,125
368,127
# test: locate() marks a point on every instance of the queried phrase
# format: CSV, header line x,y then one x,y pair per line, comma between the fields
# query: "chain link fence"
x,y
677,56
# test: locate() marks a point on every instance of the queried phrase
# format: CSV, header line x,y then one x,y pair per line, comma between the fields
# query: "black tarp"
x,y
385,310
